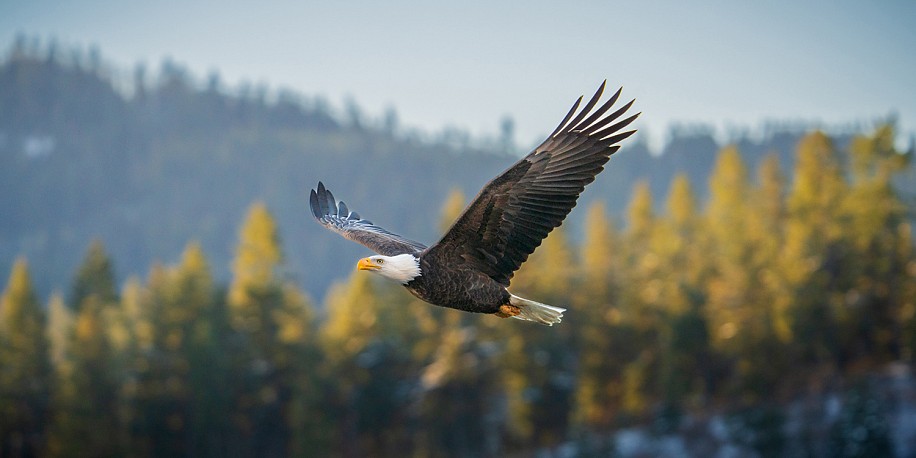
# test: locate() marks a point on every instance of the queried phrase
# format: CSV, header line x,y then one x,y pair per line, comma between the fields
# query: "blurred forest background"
x,y
167,294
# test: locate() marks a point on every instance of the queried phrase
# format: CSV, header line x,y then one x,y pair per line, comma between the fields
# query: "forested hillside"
x,y
777,319
173,162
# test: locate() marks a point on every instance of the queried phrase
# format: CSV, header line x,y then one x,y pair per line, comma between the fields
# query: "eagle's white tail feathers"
x,y
536,311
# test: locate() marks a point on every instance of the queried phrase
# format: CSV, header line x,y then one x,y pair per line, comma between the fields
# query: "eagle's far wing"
x,y
338,218
515,211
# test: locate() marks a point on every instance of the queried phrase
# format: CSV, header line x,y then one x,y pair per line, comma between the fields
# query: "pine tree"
x,y
681,276
812,251
768,200
640,215
87,396
60,326
678,243
639,296
766,232
270,325
89,410
460,386
606,344
600,252
728,189
368,358
180,404
763,362
727,309
256,264
640,261
877,276
95,277
25,371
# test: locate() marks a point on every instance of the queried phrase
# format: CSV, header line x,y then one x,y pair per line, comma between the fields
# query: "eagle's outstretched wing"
x,y
515,211
338,218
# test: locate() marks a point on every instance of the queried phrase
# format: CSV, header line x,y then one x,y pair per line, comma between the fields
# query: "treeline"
x,y
769,290
176,157
151,156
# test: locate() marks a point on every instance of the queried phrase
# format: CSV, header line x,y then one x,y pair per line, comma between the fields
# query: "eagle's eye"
x,y
380,261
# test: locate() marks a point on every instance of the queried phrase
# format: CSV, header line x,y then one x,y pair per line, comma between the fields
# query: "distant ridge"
x,y
170,161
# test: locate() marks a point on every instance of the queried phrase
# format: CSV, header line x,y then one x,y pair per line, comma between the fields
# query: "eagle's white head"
x,y
401,268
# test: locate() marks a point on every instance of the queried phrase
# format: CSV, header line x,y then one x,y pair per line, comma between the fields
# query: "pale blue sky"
x,y
469,63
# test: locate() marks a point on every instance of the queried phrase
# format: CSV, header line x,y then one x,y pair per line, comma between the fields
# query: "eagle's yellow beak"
x,y
367,264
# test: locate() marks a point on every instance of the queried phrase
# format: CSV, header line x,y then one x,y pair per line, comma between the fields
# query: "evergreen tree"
x,y
745,225
59,329
180,368
681,248
639,298
606,343
256,264
642,263
600,255
25,371
763,363
812,252
88,411
876,271
369,361
728,309
640,215
460,387
538,360
684,360
95,277
270,325
766,235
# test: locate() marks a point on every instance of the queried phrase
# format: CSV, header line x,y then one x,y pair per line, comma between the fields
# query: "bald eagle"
x,y
470,267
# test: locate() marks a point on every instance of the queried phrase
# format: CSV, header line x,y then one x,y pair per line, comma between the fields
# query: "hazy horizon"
x,y
823,63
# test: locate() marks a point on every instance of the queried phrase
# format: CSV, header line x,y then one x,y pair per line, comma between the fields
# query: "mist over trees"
x,y
191,315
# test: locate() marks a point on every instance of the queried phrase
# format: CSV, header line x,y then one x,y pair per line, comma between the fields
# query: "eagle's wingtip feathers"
x,y
313,204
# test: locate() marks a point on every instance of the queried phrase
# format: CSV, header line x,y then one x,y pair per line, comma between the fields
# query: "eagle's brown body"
x,y
463,289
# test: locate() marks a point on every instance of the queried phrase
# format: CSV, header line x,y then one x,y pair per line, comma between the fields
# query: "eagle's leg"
x,y
508,310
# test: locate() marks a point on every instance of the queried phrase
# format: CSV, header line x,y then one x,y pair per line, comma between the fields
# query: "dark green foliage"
x,y
759,428
94,278
863,428
687,356
87,402
25,368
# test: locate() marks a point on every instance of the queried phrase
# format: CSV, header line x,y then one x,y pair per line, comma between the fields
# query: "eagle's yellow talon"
x,y
508,310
